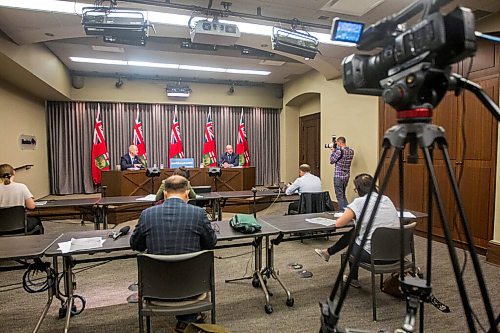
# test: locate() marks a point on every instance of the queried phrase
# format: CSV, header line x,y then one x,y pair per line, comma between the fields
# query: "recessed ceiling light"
x,y
168,66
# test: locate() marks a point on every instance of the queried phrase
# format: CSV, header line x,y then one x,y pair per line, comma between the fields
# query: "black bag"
x,y
391,286
245,223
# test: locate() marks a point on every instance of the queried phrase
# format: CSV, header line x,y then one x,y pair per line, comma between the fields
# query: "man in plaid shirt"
x,y
174,227
342,157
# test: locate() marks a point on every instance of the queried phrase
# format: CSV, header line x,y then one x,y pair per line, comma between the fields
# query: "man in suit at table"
x,y
131,160
174,227
229,159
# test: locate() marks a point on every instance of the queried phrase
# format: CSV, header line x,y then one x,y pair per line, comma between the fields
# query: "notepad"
x,y
322,221
40,203
79,244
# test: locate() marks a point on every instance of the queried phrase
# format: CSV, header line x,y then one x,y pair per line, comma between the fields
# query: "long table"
x,y
135,182
223,230
30,247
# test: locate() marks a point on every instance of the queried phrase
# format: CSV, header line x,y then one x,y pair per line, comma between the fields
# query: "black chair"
x,y
313,203
385,247
175,285
13,221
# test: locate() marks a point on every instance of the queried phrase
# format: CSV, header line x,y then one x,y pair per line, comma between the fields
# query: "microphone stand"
x,y
254,191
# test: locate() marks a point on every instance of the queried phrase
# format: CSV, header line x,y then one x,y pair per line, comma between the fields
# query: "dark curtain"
x,y
71,126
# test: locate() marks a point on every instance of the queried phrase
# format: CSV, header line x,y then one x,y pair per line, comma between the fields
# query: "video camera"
x,y
333,144
413,69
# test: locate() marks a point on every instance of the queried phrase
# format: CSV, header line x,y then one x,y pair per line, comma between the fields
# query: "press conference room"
x,y
250,166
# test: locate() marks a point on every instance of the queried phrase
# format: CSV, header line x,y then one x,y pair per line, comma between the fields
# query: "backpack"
x,y
245,223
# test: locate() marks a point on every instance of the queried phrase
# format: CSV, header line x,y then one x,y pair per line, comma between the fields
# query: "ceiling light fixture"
x,y
168,66
295,42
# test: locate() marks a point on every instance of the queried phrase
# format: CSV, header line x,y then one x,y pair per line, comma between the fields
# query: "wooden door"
x,y
309,142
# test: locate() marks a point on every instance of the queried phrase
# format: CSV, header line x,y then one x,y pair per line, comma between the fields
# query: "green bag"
x,y
245,223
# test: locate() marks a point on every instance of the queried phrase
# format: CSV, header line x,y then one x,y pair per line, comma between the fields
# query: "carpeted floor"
x,y
240,307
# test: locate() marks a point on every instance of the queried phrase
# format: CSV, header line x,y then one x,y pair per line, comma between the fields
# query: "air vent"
x,y
349,7
323,17
271,63
112,49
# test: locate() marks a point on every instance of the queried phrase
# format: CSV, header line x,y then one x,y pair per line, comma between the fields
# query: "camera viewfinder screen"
x,y
346,31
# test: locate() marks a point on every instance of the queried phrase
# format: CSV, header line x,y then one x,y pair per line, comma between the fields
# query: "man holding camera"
x,y
342,157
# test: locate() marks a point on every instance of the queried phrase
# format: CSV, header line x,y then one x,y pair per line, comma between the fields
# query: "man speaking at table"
x,y
131,160
174,227
229,159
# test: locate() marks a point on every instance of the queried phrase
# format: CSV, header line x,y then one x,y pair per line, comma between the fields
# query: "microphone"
x,y
123,231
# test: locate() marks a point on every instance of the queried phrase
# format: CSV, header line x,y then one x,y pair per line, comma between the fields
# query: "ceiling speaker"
x,y
77,82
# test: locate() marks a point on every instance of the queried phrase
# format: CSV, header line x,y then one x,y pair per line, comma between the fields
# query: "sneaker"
x,y
354,283
322,254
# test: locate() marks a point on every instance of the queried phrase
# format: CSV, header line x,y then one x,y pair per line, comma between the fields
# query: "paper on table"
x,y
199,196
78,244
338,214
149,197
40,203
322,221
408,214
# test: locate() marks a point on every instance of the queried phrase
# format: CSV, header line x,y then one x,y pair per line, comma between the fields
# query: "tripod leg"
x,y
449,241
468,235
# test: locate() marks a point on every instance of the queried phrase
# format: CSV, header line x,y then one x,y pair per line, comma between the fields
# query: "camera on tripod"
x,y
333,144
408,59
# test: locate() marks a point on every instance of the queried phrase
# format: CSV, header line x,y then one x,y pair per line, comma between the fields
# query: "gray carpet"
x,y
240,307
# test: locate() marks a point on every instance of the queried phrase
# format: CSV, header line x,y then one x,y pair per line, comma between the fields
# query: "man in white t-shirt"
x,y
16,194
386,216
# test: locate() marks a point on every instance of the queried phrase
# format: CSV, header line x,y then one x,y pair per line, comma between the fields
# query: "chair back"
x,y
12,220
169,277
386,243
315,202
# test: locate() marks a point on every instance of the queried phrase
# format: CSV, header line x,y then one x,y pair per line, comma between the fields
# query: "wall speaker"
x,y
77,82
278,92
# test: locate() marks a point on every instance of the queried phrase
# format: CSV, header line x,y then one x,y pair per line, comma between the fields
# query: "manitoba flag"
x,y
209,154
100,157
175,150
139,140
242,144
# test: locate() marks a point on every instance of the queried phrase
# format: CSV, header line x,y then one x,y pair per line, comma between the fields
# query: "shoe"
x,y
322,254
354,283
180,327
200,319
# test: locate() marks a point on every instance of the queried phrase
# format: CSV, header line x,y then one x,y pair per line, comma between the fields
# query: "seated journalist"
x,y
182,171
174,227
16,194
131,160
386,216
306,183
229,159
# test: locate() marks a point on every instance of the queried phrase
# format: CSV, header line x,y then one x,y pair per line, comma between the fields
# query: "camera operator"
x,y
342,157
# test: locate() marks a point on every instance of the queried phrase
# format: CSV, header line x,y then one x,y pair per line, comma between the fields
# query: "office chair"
x,y
385,247
14,222
175,285
313,203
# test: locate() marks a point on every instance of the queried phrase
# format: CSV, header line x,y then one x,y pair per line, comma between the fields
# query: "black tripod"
x,y
428,86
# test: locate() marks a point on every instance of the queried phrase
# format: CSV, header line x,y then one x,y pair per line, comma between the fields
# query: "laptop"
x,y
202,189
281,187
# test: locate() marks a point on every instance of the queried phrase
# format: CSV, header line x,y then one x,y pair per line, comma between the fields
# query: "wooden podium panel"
x,y
135,182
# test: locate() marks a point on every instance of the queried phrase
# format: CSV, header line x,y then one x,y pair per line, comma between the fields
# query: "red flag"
x,y
139,140
175,150
100,156
209,154
242,144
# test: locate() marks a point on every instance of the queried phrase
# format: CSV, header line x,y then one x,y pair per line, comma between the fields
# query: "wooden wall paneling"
x,y
485,62
446,192
480,126
446,116
478,190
